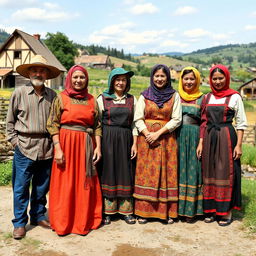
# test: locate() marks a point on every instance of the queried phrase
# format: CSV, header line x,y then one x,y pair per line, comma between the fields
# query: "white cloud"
x,y
250,27
185,10
49,5
97,39
129,2
40,15
116,28
9,29
198,32
219,36
144,8
253,13
14,4
123,35
171,43
194,40
144,37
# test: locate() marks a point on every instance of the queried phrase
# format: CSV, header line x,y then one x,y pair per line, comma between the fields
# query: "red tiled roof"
x,y
95,59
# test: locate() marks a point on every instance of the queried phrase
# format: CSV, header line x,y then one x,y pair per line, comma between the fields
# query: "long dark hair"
x,y
187,71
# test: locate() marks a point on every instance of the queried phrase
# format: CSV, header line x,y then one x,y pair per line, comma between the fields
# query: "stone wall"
x,y
6,150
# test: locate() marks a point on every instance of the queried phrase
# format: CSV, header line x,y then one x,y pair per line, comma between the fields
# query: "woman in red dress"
x,y
75,202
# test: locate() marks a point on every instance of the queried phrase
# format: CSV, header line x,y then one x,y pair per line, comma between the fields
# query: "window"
x,y
17,55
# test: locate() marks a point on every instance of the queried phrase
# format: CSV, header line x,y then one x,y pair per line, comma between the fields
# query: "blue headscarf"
x,y
153,93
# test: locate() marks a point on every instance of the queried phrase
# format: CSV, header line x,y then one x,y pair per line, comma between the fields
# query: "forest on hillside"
x,y
3,36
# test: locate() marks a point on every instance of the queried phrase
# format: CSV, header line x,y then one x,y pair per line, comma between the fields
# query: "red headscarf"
x,y
69,90
225,91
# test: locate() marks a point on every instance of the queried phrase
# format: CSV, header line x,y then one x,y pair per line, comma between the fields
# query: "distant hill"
x,y
3,36
150,61
233,55
172,53
119,62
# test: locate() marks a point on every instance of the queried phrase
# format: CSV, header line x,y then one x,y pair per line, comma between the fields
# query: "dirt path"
x,y
120,239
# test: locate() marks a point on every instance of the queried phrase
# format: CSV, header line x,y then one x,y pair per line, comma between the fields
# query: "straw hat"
x,y
38,61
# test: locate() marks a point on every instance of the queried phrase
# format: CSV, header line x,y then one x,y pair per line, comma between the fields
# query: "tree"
x,y
243,75
62,48
216,59
3,36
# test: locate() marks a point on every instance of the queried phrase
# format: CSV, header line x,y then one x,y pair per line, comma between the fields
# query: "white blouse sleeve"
x,y
134,128
176,115
139,114
240,116
101,106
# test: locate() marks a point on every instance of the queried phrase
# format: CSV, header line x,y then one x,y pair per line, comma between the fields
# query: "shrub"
x,y
249,203
249,153
5,173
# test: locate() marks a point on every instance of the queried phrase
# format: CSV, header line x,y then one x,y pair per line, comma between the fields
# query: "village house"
x,y
248,89
175,71
251,69
18,49
94,61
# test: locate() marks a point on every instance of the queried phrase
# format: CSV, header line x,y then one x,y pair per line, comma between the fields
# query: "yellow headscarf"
x,y
196,93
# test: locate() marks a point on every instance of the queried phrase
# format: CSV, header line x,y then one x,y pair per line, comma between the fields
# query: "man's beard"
x,y
37,81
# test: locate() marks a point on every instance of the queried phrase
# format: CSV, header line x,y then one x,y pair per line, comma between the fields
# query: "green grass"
x,y
97,74
249,155
249,105
5,173
249,205
150,61
121,61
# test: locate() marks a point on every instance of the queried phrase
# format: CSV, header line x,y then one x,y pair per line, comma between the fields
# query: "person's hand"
x,y
199,150
134,151
152,137
59,157
96,155
237,152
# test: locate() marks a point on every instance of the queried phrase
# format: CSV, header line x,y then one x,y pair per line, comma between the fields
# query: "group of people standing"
x,y
169,155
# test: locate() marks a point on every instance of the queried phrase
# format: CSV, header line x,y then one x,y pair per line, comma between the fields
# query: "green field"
x,y
150,61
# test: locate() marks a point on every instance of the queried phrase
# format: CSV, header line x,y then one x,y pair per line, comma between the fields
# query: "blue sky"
x,y
136,26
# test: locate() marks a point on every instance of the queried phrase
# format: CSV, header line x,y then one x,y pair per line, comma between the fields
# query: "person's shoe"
x,y
42,223
210,219
142,220
225,222
170,220
106,220
19,233
129,219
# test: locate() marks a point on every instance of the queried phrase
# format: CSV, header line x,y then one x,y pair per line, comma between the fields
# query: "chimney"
x,y
36,36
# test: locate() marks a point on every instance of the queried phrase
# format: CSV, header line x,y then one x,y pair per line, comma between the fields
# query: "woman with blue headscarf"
x,y
158,114
119,137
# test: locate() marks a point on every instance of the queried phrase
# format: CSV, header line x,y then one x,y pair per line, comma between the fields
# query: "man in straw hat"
x,y
26,130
